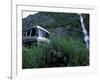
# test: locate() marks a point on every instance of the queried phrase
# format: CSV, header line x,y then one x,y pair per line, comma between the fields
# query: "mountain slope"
x,y
58,23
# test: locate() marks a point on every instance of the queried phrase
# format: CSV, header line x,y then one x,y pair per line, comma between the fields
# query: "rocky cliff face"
x,y
62,24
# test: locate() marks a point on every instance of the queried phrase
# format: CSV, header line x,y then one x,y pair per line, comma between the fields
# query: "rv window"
x,y
43,34
28,33
47,35
33,32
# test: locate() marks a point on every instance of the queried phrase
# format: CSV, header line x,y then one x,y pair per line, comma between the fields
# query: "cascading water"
x,y
86,37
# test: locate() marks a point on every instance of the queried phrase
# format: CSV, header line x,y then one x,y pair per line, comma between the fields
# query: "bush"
x,y
41,57
74,50
32,57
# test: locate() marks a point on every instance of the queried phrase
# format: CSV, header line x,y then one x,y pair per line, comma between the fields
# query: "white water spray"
x,y
86,37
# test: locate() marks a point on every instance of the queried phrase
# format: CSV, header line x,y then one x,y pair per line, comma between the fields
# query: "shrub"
x,y
41,57
33,57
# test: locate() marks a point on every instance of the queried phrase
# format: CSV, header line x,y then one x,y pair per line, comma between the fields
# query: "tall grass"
x,y
41,57
74,50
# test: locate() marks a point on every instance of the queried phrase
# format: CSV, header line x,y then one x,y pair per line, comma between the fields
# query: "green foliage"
x,y
32,57
35,57
41,57
74,49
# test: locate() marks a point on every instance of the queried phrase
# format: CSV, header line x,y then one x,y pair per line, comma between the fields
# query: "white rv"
x,y
35,34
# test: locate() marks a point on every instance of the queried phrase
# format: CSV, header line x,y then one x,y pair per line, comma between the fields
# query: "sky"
x,y
27,13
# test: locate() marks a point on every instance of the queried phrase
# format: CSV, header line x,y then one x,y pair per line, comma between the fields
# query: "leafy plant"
x,y
40,56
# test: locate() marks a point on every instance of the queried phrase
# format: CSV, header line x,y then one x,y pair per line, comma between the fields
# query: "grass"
x,y
41,57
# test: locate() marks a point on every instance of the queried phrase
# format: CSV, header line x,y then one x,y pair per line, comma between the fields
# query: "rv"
x,y
35,34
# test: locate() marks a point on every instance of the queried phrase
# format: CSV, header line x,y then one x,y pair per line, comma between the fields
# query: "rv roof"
x,y
36,26
42,28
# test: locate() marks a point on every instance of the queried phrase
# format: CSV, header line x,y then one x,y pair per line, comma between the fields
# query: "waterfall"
x,y
86,37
